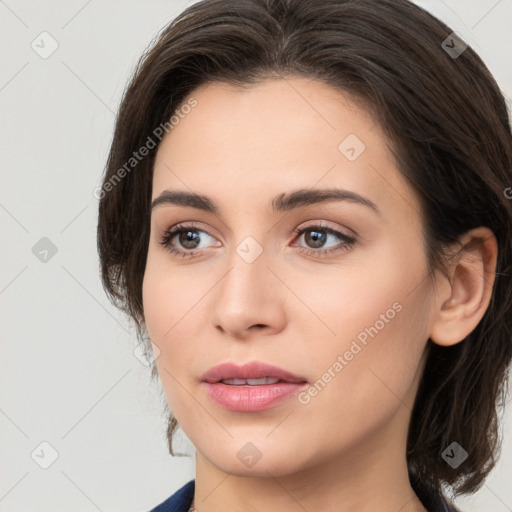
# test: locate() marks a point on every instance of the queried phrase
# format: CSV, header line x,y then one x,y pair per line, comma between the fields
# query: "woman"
x,y
305,212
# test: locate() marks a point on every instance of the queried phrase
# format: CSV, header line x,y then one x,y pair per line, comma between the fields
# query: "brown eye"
x,y
316,237
187,238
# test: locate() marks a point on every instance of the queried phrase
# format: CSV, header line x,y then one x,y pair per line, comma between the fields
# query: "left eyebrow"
x,y
281,203
306,197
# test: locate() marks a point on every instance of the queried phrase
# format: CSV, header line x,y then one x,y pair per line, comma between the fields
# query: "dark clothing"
x,y
181,501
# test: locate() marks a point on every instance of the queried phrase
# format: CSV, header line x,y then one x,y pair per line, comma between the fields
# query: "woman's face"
x,y
348,313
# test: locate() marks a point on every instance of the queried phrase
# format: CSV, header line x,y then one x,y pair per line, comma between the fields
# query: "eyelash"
x,y
348,242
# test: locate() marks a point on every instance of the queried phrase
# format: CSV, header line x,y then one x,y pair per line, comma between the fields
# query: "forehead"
x,y
248,145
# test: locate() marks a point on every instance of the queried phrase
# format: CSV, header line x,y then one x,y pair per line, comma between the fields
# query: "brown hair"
x,y
450,133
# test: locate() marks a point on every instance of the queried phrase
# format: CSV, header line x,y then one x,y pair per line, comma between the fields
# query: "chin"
x,y
253,459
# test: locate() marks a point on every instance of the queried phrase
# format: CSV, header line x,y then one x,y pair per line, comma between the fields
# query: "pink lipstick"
x,y
252,387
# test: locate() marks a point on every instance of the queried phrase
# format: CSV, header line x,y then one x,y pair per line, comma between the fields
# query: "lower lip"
x,y
252,398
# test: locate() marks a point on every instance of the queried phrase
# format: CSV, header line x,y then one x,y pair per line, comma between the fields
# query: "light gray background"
x,y
68,373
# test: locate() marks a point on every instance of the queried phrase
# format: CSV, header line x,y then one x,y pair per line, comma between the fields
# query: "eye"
x,y
188,236
317,235
191,237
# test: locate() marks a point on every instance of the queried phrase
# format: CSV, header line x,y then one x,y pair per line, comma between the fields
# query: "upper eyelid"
x,y
346,241
193,225
298,231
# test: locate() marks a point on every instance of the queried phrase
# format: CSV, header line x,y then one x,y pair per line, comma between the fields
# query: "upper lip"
x,y
252,370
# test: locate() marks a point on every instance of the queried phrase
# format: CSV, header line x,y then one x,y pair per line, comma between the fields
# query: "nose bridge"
x,y
247,279
247,294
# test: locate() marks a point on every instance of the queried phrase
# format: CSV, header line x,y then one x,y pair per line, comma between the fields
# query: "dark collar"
x,y
181,501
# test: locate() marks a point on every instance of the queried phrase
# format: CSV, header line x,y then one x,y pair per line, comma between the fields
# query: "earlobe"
x,y
461,303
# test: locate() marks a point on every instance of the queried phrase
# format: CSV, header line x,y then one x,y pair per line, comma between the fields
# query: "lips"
x,y
251,373
252,387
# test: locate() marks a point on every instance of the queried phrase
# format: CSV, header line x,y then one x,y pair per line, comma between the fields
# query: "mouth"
x,y
254,373
252,387
251,382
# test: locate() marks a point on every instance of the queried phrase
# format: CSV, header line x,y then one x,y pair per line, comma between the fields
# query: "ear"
x,y
461,303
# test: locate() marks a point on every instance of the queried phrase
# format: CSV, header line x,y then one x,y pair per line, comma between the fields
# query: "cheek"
x,y
349,297
360,386
165,293
155,301
164,306
173,313
378,317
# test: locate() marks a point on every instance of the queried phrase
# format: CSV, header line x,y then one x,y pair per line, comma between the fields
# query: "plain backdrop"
x,y
73,395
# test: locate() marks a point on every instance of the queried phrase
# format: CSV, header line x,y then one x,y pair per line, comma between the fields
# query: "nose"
x,y
249,300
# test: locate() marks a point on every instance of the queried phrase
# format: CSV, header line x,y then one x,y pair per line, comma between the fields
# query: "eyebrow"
x,y
281,203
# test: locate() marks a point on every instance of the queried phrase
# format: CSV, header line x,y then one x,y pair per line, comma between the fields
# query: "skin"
x,y
345,449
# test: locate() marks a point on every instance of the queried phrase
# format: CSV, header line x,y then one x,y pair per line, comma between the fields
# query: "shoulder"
x,y
179,502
